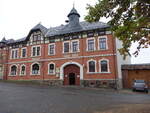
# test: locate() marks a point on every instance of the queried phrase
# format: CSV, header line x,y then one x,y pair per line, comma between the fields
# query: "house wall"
x,y
120,61
3,60
82,57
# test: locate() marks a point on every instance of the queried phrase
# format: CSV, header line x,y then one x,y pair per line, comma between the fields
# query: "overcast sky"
x,y
17,17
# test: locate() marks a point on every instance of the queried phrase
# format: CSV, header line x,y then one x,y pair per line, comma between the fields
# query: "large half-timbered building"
x,y
78,53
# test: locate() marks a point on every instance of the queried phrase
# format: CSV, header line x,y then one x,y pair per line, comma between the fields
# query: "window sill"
x,y
105,72
35,74
23,57
12,75
75,52
22,75
92,72
102,49
71,52
35,56
98,72
51,54
51,74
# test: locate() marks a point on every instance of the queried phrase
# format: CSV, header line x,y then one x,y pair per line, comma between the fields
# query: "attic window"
x,y
101,32
75,36
66,38
90,34
36,37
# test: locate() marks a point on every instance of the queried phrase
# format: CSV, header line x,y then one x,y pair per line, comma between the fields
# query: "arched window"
x,y
92,66
51,68
13,70
23,70
35,69
104,65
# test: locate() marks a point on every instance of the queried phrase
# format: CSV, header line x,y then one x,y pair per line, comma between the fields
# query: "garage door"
x,y
138,75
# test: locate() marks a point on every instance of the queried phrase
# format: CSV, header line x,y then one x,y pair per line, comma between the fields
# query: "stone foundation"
x,y
83,83
53,82
99,83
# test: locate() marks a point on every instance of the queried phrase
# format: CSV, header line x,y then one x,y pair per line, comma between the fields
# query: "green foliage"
x,y
130,21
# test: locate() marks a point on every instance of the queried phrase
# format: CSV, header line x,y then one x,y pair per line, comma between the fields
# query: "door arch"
x,y
71,75
68,63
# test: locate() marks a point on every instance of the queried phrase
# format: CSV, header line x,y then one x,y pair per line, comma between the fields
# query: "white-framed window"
x,y
51,49
36,36
91,66
35,69
22,70
90,44
102,43
24,52
36,51
13,70
75,46
66,47
104,66
14,53
51,68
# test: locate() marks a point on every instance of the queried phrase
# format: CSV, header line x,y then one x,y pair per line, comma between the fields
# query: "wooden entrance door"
x,y
71,75
72,79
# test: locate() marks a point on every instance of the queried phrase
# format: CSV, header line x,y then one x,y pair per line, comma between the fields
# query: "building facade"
x,y
78,53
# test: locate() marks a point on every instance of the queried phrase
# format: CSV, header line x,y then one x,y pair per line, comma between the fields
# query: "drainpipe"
x,y
82,39
43,58
115,61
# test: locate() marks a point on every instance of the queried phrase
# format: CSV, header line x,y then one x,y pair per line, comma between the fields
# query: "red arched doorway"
x,y
71,75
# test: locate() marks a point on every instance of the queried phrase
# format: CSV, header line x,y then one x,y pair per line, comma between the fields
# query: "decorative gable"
x,y
36,36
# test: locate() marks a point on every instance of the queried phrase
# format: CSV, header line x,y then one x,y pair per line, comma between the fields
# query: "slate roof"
x,y
73,11
82,26
40,27
37,27
20,40
63,29
3,40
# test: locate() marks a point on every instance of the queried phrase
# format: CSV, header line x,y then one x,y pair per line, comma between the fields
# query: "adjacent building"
x,y
78,53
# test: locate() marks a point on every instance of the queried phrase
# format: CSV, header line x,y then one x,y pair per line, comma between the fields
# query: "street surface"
x,y
18,98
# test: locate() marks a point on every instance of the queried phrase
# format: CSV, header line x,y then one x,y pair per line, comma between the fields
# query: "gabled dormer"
x,y
37,33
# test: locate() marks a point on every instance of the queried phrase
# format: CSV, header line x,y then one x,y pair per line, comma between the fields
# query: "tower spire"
x,y
73,17
73,4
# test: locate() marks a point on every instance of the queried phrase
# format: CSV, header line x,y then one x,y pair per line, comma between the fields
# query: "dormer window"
x,y
90,34
36,36
75,37
101,32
